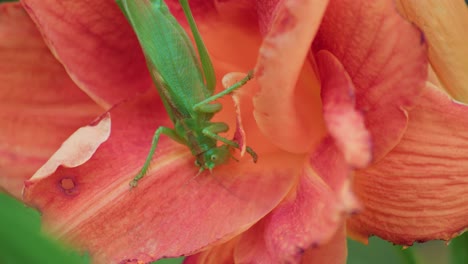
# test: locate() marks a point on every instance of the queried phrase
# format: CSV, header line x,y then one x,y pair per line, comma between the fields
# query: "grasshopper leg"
x,y
215,128
154,143
207,65
228,90
210,108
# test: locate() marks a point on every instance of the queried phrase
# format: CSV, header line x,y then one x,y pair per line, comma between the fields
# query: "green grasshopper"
x,y
185,87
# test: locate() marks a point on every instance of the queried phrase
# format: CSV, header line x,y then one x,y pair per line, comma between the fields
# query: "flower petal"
x,y
418,191
333,252
444,24
172,211
289,112
220,254
328,162
251,247
345,124
308,217
39,105
95,44
385,57
239,135
86,140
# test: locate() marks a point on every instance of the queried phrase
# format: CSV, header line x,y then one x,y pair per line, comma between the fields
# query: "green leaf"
x,y
378,251
21,240
459,249
169,261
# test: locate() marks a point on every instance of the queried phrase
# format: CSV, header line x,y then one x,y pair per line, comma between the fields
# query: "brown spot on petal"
x,y
40,106
132,261
69,186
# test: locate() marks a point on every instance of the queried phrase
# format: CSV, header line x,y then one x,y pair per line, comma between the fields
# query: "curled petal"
x,y
328,162
384,55
77,149
333,252
96,45
86,204
39,105
251,246
219,254
308,217
287,111
239,135
444,24
418,191
344,122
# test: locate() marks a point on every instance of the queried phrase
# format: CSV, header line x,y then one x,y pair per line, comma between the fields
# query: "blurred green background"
x,y
21,242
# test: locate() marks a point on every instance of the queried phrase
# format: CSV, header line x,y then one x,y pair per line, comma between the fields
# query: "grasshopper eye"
x,y
214,157
197,163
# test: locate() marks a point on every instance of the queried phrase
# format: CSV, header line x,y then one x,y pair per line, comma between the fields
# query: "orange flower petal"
x,y
444,24
328,162
96,45
333,252
250,250
344,123
308,217
220,254
289,113
251,246
385,57
171,212
39,105
237,97
230,32
418,191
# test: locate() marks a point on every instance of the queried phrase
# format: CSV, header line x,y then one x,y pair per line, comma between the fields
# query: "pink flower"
x,y
310,135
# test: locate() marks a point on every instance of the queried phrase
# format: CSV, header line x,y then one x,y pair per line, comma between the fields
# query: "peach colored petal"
x,y
281,236
95,44
308,217
220,254
266,10
171,212
229,30
432,78
444,24
334,252
385,57
39,105
328,162
418,191
289,112
239,135
78,148
344,123
241,112
251,248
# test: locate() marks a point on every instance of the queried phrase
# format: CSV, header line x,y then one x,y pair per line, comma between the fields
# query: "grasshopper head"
x,y
213,157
